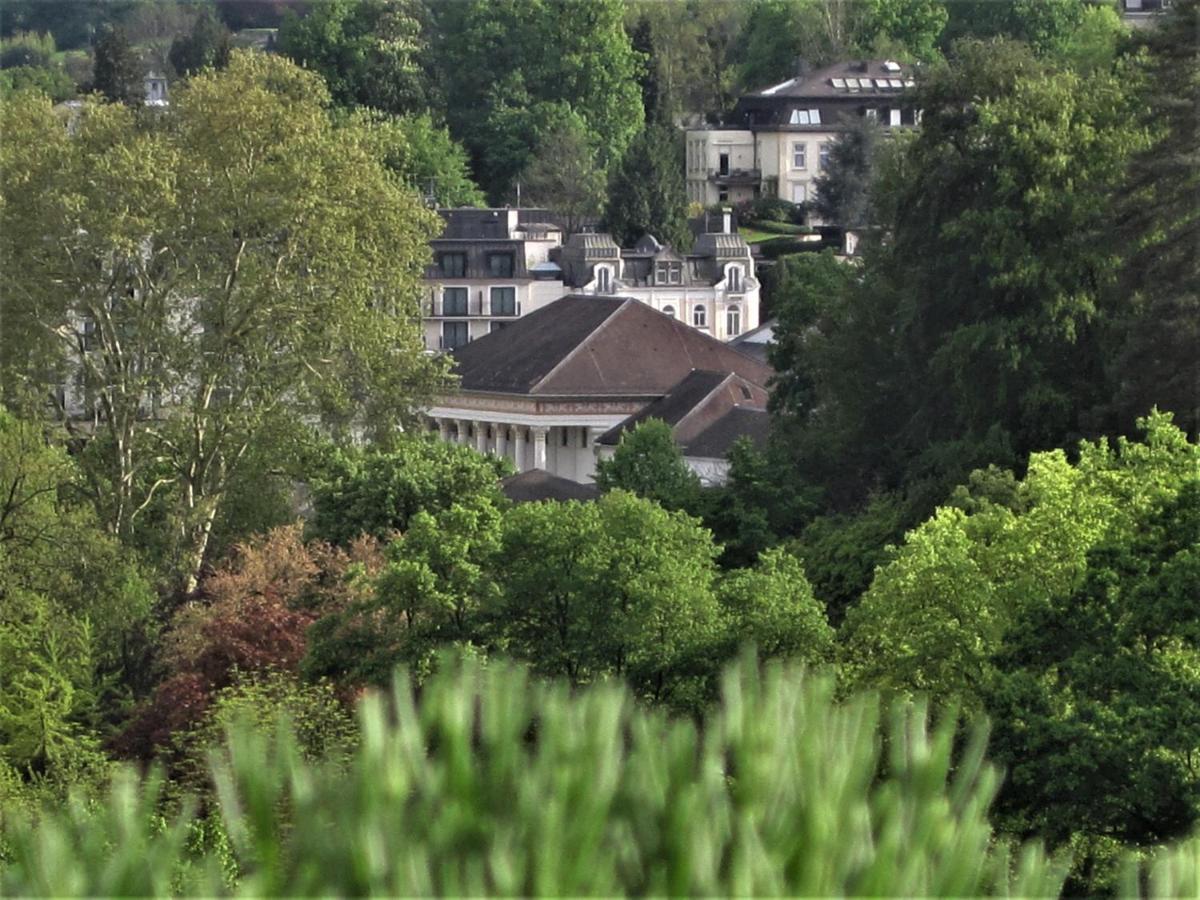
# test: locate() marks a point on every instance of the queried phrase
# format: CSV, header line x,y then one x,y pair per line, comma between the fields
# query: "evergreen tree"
x,y
646,194
117,72
208,44
563,175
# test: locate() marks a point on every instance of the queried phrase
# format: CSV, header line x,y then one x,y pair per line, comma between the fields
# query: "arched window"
x,y
669,311
733,321
603,280
733,278
700,317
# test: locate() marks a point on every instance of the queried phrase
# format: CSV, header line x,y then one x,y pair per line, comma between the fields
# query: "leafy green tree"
x,y
647,462
1046,25
772,606
989,348
230,277
425,156
912,25
432,593
54,83
377,492
207,45
937,614
28,49
619,587
646,192
117,71
1156,331
563,175
1095,701
503,89
371,53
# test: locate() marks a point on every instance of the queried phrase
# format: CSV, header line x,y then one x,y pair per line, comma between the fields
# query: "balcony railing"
x,y
474,308
735,176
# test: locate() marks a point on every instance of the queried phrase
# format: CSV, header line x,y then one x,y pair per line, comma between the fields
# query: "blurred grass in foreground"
x,y
490,782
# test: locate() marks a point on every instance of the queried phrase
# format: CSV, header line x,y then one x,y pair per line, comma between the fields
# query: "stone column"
x,y
501,439
443,429
593,453
519,448
481,437
539,446
463,432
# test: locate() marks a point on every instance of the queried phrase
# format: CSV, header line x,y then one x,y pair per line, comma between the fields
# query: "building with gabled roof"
x,y
779,137
544,389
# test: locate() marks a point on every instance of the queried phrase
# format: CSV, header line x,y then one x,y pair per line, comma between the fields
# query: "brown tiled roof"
x,y
537,484
596,346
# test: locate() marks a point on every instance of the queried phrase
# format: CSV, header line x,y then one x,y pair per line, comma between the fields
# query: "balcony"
x,y
735,176
474,308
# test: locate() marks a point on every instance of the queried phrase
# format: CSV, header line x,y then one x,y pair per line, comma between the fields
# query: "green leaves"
x,y
488,782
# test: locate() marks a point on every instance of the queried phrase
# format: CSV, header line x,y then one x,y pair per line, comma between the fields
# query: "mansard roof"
x,y
596,346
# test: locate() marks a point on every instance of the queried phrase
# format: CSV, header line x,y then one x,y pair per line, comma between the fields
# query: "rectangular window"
x,y
504,301
454,301
453,265
583,437
676,273
894,118
871,114
799,156
799,193
733,321
500,265
823,156
454,334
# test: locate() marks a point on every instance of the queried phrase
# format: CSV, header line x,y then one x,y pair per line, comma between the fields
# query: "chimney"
x,y
726,220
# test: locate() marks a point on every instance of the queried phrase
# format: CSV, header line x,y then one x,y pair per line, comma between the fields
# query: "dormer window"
x,y
805,117
500,265
733,278
453,265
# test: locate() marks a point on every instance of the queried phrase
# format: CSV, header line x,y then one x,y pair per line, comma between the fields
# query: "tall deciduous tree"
x,y
646,193
1156,335
563,175
648,463
212,278
425,156
371,53
511,69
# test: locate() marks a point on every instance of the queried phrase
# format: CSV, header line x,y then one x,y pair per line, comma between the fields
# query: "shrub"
x,y
493,784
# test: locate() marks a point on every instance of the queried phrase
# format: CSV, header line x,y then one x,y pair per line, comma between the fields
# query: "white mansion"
x,y
779,137
493,266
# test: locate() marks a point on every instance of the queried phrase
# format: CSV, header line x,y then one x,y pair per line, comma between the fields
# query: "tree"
x,y
939,612
377,492
117,72
371,53
231,281
647,462
206,45
1045,25
1095,698
74,610
646,192
425,156
989,348
504,91
1154,334
563,176
844,185
54,83
772,606
617,587
912,25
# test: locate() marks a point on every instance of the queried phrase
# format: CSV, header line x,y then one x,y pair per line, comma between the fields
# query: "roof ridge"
x,y
704,398
587,340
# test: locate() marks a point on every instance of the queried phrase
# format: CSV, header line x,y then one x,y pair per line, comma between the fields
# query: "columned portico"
x,y
519,448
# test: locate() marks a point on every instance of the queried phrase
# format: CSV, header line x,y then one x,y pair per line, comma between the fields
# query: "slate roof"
x,y
754,342
535,485
707,412
828,91
718,439
823,83
595,346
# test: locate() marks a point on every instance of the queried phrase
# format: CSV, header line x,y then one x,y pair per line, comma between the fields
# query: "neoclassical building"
x,y
544,390
492,266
